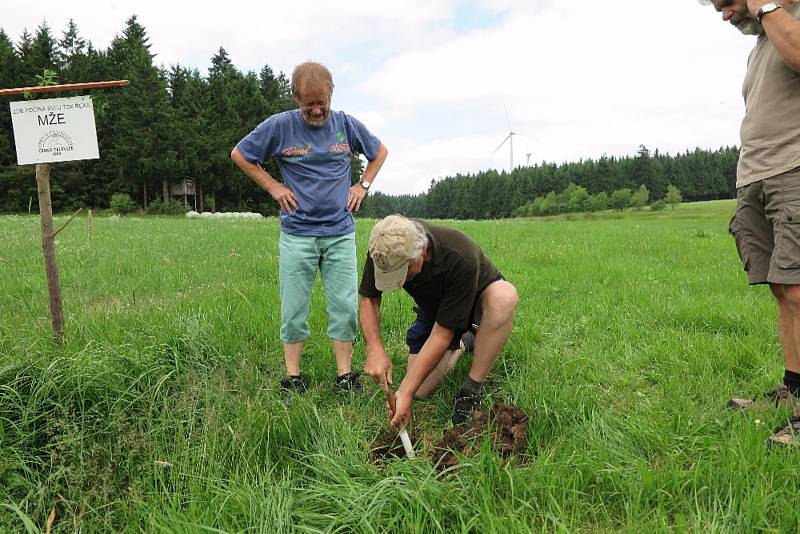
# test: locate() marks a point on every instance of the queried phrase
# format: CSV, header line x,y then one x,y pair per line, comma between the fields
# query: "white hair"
x,y
420,241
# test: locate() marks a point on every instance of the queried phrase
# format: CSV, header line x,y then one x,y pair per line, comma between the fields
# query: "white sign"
x,y
54,129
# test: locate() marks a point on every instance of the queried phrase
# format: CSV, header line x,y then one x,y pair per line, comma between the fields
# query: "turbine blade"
x,y
501,144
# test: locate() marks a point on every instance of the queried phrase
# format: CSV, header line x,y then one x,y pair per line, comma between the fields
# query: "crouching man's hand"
x,y
402,414
378,365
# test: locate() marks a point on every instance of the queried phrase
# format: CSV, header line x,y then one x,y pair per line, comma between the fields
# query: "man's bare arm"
x,y
378,365
282,194
783,31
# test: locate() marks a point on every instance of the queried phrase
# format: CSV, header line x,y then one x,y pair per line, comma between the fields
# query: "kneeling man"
x,y
457,290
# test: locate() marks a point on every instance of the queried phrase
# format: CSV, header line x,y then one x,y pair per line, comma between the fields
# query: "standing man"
x,y
314,146
456,289
767,220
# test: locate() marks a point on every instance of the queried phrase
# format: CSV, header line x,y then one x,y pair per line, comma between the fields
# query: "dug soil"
x,y
506,426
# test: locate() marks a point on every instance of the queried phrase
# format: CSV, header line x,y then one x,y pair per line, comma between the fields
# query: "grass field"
x,y
161,412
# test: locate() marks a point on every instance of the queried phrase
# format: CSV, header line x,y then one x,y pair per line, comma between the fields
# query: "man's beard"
x,y
750,26
316,121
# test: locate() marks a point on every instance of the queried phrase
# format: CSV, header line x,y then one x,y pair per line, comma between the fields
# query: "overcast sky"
x,y
433,78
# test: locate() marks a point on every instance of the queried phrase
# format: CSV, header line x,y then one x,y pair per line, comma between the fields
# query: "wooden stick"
x,y
66,223
91,224
390,396
241,295
63,87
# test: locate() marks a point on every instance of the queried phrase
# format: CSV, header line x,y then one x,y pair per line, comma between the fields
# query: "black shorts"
x,y
419,331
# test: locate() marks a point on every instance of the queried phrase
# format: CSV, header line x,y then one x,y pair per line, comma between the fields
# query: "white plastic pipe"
x,y
406,443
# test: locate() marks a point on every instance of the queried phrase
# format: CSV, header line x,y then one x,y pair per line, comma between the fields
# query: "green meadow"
x,y
161,411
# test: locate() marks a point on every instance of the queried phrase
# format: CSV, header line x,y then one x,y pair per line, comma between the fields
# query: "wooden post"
x,y
91,223
49,249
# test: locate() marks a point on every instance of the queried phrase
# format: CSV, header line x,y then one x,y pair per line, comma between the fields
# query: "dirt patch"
x,y
506,426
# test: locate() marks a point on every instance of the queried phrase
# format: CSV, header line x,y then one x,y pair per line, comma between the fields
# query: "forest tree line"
x,y
698,175
174,122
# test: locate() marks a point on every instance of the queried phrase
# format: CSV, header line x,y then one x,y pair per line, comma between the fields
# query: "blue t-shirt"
x,y
315,163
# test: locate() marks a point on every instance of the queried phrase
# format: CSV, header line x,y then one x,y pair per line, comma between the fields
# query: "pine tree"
x,y
9,76
72,56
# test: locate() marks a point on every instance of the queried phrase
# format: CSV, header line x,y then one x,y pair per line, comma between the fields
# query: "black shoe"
x,y
298,384
348,382
468,341
465,404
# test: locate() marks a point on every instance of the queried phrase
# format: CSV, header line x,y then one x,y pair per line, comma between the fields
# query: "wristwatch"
x,y
767,8
365,184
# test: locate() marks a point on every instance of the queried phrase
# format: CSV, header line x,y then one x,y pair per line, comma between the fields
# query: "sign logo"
x,y
56,143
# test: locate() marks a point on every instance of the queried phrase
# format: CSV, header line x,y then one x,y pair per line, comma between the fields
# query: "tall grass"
x,y
161,411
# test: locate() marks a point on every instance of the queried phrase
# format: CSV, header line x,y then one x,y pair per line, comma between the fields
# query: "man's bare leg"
x,y
445,365
498,303
343,350
291,354
788,298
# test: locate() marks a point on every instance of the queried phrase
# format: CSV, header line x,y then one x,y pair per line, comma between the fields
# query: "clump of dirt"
x,y
388,446
506,426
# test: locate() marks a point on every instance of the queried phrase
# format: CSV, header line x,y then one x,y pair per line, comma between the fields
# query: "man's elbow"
x,y
235,154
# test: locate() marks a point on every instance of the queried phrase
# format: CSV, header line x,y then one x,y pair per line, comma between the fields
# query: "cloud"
x,y
434,79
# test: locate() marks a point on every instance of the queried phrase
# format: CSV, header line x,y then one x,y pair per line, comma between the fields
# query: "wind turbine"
x,y
510,139
528,161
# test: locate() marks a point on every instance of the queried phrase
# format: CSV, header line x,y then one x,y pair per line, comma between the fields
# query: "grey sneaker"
x,y
788,434
348,383
468,341
780,396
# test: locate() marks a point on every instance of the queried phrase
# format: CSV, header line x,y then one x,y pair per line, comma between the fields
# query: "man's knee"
x,y
777,290
501,299
791,295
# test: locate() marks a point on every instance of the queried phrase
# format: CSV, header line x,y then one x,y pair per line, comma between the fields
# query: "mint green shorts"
x,y
335,257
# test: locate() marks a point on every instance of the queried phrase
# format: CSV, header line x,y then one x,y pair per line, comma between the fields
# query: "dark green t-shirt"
x,y
450,281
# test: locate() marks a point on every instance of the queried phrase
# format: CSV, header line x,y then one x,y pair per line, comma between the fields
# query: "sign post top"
x,y
63,87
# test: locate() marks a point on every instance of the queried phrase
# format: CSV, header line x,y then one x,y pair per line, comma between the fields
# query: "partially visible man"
x,y
314,146
767,220
456,289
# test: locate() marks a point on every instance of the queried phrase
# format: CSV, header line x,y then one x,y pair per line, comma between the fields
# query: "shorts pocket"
x,y
788,236
739,236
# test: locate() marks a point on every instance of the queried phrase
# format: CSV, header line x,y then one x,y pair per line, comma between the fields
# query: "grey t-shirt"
x,y
770,131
